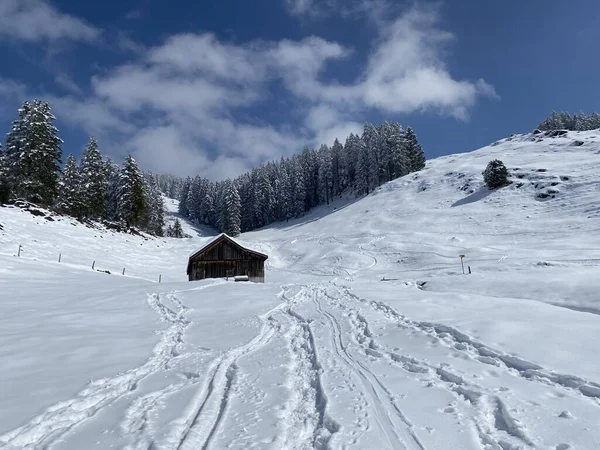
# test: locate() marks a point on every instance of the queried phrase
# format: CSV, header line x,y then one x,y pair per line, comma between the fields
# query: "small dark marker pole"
x,y
159,278
469,269
93,264
19,252
123,270
59,256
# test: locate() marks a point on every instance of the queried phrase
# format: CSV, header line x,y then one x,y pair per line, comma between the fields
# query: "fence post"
x,y
59,255
93,264
19,252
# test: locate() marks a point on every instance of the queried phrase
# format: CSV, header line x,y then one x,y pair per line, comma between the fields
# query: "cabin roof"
x,y
218,240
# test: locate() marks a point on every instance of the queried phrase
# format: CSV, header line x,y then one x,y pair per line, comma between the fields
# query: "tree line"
x,y
94,189
288,188
566,121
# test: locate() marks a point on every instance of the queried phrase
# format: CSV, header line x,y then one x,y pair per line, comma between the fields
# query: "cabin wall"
x,y
224,260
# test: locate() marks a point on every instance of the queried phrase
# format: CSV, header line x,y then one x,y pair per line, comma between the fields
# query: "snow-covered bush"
x,y
495,174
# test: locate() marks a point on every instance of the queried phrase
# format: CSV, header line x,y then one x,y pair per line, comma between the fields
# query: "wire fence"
x,y
20,251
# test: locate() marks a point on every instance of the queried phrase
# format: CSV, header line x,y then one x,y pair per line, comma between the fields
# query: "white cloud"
x,y
406,72
189,106
37,20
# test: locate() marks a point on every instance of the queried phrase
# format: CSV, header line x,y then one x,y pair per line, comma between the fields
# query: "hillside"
x,y
325,354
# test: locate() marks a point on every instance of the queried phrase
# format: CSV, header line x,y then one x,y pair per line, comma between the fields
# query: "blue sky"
x,y
217,87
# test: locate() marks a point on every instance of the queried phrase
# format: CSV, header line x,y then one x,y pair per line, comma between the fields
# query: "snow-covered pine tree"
x,y
351,148
385,152
371,143
177,229
16,141
183,196
263,198
112,171
396,142
35,153
362,170
153,219
71,199
495,174
94,179
325,174
130,192
337,150
4,186
231,212
414,151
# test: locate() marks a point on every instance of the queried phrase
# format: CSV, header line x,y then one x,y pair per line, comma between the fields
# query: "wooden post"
x,y
469,269
93,264
159,278
59,255
123,270
19,253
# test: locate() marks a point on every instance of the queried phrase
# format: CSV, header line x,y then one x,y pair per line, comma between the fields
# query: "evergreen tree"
x,y
325,174
183,197
337,151
362,170
495,174
153,219
177,229
112,171
71,199
414,152
130,191
231,212
34,153
4,186
94,178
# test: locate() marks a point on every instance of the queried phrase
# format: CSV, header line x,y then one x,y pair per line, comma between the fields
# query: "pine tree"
x,y
34,153
183,196
72,198
130,191
414,152
153,219
371,143
231,213
362,170
94,178
325,174
337,167
177,229
495,174
16,144
4,186
112,171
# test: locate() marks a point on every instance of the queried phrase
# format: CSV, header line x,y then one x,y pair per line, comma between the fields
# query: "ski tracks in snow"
x,y
59,419
496,426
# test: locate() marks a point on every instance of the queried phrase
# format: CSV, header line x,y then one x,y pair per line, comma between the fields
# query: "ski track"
x,y
390,418
480,352
56,421
197,428
495,424
305,421
496,427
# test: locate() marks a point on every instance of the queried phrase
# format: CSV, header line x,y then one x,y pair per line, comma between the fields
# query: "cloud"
x,y
37,20
407,73
192,105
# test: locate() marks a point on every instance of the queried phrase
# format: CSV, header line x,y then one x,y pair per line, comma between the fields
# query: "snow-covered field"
x,y
325,354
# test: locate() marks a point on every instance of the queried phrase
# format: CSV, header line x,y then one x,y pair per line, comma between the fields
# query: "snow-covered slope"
x,y
366,334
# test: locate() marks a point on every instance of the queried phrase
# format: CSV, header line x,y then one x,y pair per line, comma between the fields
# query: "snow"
x,y
325,354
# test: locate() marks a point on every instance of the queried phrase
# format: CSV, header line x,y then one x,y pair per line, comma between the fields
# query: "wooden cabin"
x,y
223,258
